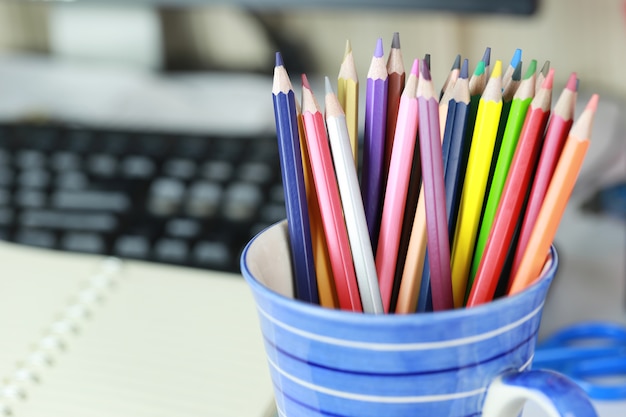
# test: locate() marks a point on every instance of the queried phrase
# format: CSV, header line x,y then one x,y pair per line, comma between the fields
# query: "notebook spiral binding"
x,y
50,347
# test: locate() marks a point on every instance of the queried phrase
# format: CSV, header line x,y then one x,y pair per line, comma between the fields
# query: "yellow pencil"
x,y
348,95
475,183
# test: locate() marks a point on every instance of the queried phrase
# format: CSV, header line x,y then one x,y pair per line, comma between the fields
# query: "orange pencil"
x,y
557,196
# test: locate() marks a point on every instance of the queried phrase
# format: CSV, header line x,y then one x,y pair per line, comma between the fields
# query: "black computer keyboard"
x,y
183,199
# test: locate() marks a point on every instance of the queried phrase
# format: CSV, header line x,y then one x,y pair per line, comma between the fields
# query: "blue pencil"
x,y
293,183
454,139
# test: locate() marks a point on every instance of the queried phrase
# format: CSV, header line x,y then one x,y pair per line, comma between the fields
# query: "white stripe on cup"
x,y
409,399
403,346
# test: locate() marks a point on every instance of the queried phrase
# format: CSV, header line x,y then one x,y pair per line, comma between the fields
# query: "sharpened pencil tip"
x,y
487,56
532,68
545,68
279,59
464,69
517,74
592,105
577,83
424,70
427,60
416,67
457,62
378,52
348,48
480,69
329,87
497,69
517,57
305,82
395,42
572,82
547,83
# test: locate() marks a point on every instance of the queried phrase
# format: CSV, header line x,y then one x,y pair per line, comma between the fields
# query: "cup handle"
x,y
556,394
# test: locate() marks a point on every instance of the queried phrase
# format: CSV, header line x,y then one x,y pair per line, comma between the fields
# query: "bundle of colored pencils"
x,y
459,193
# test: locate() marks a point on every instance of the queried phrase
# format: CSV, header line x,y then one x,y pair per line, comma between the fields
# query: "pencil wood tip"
x,y
532,68
305,82
517,57
378,52
549,81
424,70
415,67
572,82
487,56
395,42
279,59
464,69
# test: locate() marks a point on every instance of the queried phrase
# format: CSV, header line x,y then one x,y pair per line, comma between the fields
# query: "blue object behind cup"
x,y
327,362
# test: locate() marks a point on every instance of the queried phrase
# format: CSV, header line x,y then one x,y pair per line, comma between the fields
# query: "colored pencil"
x,y
557,196
413,194
558,127
434,192
487,60
518,181
323,272
286,119
452,153
475,182
374,140
329,200
354,214
395,84
397,187
517,116
477,84
452,76
348,95
508,74
542,75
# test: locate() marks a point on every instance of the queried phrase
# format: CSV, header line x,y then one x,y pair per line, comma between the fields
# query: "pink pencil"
x,y
330,202
434,192
397,186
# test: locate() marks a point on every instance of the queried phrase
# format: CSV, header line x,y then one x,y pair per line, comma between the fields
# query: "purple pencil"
x,y
374,141
434,192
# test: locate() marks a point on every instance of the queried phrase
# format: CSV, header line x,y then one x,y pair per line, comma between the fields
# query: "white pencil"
x,y
354,212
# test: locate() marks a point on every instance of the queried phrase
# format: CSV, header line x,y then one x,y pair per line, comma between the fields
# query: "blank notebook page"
x,y
148,340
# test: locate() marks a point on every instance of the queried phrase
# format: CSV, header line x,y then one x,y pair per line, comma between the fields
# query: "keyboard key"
x,y
241,201
5,197
132,247
137,166
28,159
97,222
6,216
114,201
257,172
204,199
71,180
212,254
64,161
82,242
183,228
30,198
166,196
102,165
34,178
171,250
6,176
35,237
220,171
180,168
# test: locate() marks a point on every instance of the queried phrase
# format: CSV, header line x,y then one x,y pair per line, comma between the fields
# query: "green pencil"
x,y
514,123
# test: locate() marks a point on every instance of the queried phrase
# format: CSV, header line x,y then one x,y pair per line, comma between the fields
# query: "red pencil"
x,y
329,200
558,129
513,194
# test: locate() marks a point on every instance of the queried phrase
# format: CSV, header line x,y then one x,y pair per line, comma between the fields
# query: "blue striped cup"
x,y
458,363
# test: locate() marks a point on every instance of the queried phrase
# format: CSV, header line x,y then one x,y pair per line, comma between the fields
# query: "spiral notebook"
x,y
86,336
